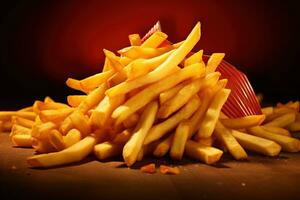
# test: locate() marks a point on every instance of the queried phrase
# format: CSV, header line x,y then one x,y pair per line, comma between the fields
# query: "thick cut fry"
x,y
257,144
163,70
123,137
206,154
74,84
56,139
243,122
159,130
168,94
179,140
7,115
75,100
140,67
74,153
22,122
153,91
19,130
65,126
22,140
267,110
131,121
155,40
184,95
114,60
225,136
206,141
283,120
72,137
211,117
101,114
116,79
107,150
288,144
136,52
134,39
195,58
92,99
90,83
134,145
295,126
55,115
163,147
213,62
277,130
278,112
81,123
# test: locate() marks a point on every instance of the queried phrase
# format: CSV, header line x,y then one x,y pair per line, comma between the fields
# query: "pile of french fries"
x,y
154,98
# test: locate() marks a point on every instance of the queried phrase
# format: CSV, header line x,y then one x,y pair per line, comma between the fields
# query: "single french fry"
x,y
277,130
211,117
180,137
48,99
195,58
101,114
283,120
288,144
140,67
155,40
55,115
71,138
22,122
267,110
278,112
107,150
74,153
75,100
19,130
81,123
168,94
92,82
184,95
66,126
292,105
294,126
213,62
206,141
159,130
74,84
257,144
38,106
243,122
163,147
22,140
131,121
56,139
151,92
107,65
114,60
123,137
7,115
134,145
26,109
134,39
136,52
206,154
163,70
225,136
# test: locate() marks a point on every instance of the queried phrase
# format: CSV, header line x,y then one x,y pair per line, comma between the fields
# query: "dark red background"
x,y
44,42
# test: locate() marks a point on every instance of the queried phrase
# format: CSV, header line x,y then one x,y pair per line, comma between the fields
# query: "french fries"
x,y
179,140
243,122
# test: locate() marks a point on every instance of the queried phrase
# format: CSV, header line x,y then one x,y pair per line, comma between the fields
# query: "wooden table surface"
x,y
259,178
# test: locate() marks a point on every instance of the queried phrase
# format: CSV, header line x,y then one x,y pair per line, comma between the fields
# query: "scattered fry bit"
x,y
164,169
150,168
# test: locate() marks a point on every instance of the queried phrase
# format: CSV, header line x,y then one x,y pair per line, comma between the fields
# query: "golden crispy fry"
x,y
125,61
243,122
163,70
38,106
136,52
159,130
72,137
74,84
74,153
56,140
19,130
267,110
257,144
163,147
214,60
277,130
155,40
206,141
81,123
277,112
135,39
184,95
134,145
288,144
114,60
123,137
66,126
117,78
295,126
55,115
107,150
225,136
131,121
26,109
211,117
179,140
147,150
48,99
153,91
75,100
22,140
92,82
7,115
283,120
195,58
168,94
22,122
107,65
101,114
140,67
206,154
